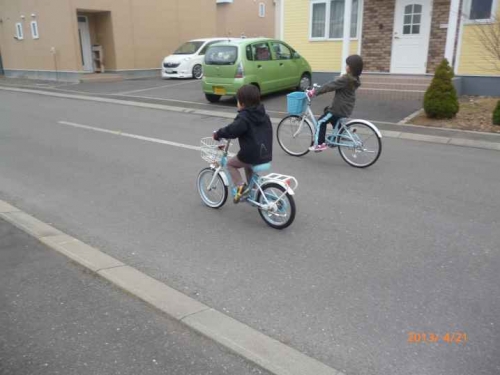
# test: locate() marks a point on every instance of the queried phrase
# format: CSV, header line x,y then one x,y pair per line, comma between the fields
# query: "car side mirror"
x,y
295,55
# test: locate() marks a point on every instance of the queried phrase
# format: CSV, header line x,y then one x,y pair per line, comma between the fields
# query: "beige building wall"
x,y
241,17
135,34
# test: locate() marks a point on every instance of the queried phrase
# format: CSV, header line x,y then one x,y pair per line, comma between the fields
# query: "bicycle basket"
x,y
296,102
210,150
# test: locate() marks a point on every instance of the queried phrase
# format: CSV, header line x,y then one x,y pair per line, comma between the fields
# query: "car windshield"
x,y
188,48
221,55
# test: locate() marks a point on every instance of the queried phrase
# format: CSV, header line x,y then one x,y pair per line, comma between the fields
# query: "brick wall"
x,y
378,24
437,43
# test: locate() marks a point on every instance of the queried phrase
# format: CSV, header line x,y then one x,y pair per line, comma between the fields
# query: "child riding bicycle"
x,y
343,102
254,131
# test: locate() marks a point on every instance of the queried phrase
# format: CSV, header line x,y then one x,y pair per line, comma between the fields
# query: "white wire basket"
x,y
210,150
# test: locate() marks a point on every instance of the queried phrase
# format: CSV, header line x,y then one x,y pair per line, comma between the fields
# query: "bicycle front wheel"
x,y
216,196
292,141
281,212
360,146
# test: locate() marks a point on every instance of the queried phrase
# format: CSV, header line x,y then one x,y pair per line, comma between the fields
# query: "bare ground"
x,y
475,114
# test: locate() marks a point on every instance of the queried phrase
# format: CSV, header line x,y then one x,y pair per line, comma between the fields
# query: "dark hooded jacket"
x,y
254,131
345,88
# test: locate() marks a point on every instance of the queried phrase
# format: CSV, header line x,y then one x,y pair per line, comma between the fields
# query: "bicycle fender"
x,y
367,123
282,184
225,179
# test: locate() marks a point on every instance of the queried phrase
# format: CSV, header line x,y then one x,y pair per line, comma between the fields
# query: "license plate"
x,y
169,71
219,91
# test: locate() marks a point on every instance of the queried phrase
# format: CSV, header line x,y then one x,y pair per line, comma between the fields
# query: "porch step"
x,y
101,77
394,86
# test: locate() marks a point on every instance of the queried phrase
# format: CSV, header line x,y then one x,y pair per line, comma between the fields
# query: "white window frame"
x,y
467,8
327,22
262,10
34,30
19,31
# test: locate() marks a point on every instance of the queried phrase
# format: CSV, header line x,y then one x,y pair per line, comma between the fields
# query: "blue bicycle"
x,y
272,194
359,141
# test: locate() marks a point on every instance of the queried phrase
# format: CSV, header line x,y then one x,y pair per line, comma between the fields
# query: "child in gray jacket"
x,y
343,102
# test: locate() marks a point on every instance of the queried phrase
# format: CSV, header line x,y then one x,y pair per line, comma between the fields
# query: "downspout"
x,y
347,34
451,34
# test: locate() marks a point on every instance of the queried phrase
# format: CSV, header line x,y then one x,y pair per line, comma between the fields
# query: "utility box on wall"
x,y
98,58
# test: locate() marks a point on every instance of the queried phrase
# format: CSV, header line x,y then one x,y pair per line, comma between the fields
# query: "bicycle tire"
x,y
204,178
287,202
351,154
290,125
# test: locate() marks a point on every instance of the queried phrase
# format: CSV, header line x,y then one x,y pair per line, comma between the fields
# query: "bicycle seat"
x,y
261,167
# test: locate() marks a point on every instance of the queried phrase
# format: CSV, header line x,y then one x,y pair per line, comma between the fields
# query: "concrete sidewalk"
x,y
186,315
58,318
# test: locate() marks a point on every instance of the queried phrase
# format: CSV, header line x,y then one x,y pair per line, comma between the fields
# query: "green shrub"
x,y
440,100
496,114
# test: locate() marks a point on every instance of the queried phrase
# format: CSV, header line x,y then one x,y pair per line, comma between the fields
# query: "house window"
x,y
262,10
34,30
19,31
328,19
480,9
412,20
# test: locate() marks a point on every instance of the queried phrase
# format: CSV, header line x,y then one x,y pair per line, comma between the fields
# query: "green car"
x,y
269,64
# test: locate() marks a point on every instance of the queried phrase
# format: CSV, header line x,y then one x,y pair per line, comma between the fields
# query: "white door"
x,y
85,46
410,44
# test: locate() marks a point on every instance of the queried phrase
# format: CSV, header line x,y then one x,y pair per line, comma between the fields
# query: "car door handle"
x,y
259,66
281,64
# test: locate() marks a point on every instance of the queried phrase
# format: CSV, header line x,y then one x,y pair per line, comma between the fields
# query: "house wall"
x,y
135,34
437,42
378,26
322,55
242,18
473,59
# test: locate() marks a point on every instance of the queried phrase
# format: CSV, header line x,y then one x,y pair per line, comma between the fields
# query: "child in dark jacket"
x,y
254,131
343,102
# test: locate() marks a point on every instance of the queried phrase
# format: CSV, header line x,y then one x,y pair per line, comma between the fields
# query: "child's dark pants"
x,y
233,165
323,121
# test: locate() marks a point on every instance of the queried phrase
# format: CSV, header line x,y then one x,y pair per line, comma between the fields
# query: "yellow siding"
x,y
473,58
323,55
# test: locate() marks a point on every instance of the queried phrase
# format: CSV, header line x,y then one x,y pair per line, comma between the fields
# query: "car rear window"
x,y
221,55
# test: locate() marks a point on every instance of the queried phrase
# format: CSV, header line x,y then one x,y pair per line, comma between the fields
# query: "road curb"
x,y
400,134
254,346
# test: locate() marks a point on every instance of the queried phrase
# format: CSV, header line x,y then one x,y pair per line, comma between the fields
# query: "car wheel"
x,y
212,98
305,82
197,71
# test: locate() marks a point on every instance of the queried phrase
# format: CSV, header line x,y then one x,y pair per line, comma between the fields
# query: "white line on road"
x,y
188,102
154,88
128,135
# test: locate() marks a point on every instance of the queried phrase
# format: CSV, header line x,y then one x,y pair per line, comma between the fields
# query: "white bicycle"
x,y
272,194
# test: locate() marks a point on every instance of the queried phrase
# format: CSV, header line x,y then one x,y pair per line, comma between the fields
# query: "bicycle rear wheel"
x,y
217,195
360,146
293,143
282,213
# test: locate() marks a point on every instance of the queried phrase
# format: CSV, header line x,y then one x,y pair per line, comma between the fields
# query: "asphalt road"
x,y
57,318
409,245
378,106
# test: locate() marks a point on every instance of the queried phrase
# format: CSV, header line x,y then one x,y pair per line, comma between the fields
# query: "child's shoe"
x,y
240,192
318,148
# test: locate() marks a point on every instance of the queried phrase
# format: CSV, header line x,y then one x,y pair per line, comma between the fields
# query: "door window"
x,y
281,51
412,19
261,52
